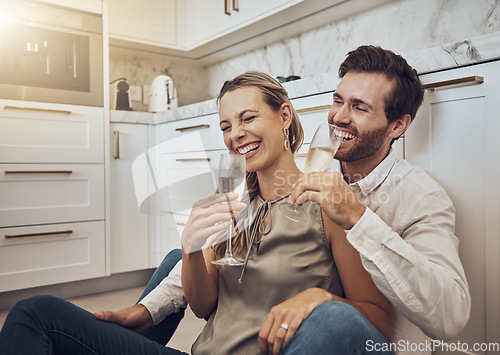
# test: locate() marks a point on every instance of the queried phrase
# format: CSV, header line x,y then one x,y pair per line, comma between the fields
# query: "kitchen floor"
x,y
186,333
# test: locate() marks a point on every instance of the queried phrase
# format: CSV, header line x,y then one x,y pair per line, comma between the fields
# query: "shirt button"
x,y
359,242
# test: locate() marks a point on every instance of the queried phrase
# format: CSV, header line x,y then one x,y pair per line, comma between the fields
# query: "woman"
x,y
289,268
292,271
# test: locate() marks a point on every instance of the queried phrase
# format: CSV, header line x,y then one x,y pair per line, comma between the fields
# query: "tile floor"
x,y
185,335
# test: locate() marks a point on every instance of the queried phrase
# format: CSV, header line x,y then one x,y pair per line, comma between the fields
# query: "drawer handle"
x,y
41,234
117,144
468,80
192,159
226,8
182,224
37,109
314,108
200,126
236,7
38,172
300,155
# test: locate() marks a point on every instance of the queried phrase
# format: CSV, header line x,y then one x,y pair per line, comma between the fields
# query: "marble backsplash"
x,y
413,28
141,67
404,26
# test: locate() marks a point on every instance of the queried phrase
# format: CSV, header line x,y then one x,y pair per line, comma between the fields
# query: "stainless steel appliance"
x,y
50,54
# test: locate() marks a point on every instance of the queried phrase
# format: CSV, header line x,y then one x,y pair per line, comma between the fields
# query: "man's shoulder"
x,y
413,179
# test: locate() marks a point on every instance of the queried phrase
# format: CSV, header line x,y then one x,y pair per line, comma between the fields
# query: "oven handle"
x,y
37,109
39,234
39,172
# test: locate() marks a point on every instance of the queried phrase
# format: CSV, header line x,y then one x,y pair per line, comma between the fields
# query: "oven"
x,y
50,54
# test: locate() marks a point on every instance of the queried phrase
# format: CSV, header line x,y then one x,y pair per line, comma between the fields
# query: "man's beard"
x,y
365,146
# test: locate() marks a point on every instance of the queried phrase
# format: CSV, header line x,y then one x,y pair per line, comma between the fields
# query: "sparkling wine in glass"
x,y
232,171
323,147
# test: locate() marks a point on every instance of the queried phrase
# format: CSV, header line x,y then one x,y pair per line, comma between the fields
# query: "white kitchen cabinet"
x,y
215,18
84,5
52,176
192,134
455,138
129,220
152,22
47,254
185,160
195,28
37,132
50,193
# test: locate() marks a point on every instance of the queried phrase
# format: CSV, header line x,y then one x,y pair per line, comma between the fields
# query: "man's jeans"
x,y
50,325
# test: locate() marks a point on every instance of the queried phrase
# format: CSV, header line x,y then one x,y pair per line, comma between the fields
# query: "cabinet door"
x,y
51,253
190,135
210,19
129,217
149,21
84,5
454,137
50,193
37,132
182,179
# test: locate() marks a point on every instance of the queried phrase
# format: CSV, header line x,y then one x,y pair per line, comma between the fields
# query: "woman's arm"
x,y
359,288
200,282
208,221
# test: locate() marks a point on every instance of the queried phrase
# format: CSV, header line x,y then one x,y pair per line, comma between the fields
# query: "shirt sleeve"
x,y
418,271
167,297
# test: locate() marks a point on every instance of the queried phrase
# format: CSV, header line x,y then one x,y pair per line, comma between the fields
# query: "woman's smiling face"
x,y
251,127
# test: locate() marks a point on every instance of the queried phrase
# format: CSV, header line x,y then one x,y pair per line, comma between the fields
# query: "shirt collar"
x,y
371,181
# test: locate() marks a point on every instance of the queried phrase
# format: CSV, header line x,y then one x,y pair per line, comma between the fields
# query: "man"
x,y
399,220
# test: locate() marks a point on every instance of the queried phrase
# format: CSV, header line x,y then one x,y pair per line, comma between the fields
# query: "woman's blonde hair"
x,y
274,95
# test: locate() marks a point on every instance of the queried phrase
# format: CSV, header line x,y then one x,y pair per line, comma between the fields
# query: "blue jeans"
x,y
50,325
336,328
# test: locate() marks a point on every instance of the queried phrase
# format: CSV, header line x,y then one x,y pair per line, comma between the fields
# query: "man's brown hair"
x,y
407,94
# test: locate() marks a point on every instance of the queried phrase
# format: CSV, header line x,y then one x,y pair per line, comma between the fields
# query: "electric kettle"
x,y
162,96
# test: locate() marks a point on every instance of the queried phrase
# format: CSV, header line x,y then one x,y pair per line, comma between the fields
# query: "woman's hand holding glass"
x,y
209,220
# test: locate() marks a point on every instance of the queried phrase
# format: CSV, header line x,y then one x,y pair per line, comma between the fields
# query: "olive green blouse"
x,y
290,258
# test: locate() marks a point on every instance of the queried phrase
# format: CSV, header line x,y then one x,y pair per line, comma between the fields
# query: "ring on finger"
x,y
284,325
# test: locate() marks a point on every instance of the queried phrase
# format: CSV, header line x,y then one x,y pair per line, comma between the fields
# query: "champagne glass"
x,y
232,171
323,147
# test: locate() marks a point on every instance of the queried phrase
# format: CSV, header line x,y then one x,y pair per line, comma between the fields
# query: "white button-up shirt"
x,y
406,241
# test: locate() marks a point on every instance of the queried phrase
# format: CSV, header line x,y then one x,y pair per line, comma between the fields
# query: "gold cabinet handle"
x,y
117,144
192,159
40,234
36,109
38,172
182,224
188,128
314,108
227,10
236,7
300,155
447,84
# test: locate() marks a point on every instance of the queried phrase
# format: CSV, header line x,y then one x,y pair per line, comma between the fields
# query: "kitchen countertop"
x,y
470,51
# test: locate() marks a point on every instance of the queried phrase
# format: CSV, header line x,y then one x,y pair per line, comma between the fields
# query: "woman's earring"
x,y
287,141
